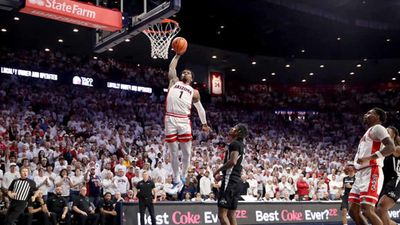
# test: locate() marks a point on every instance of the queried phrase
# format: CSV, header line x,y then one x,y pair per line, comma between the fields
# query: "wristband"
x,y
379,154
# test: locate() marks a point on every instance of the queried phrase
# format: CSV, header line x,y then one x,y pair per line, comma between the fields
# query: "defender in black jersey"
x,y
391,184
347,184
231,176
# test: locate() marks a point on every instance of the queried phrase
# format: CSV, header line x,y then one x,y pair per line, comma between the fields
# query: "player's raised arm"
x,y
200,110
172,77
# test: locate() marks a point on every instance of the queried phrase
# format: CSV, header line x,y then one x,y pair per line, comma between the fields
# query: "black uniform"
x,y
39,216
391,184
24,189
56,205
232,182
3,209
83,203
107,218
345,197
145,196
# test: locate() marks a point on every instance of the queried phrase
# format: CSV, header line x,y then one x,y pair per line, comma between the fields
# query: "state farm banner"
x,y
248,213
75,12
216,82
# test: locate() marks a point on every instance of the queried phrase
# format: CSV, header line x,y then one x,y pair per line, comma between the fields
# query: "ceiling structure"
x,y
277,41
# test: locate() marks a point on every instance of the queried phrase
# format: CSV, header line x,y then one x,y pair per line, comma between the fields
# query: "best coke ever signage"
x,y
75,12
248,213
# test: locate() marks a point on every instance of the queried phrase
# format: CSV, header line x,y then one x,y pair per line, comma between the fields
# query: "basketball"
x,y
179,45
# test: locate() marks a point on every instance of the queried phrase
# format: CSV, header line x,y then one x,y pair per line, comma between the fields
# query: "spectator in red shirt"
x,y
130,174
2,144
303,188
139,161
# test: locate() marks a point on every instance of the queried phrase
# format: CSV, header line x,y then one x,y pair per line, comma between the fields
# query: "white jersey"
x,y
121,184
370,143
179,100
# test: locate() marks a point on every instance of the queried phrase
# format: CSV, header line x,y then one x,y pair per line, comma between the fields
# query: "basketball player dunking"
x,y
373,147
177,122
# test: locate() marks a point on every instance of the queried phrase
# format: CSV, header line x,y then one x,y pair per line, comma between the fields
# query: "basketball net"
x,y
160,35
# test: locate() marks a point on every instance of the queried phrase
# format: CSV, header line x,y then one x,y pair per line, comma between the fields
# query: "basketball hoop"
x,y
160,35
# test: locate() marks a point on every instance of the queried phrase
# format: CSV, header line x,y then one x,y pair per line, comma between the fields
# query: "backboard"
x,y
136,18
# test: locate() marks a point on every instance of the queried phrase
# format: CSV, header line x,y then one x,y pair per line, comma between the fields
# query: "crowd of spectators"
x,y
102,68
76,137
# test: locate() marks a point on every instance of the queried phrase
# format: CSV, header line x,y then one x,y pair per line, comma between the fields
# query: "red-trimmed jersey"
x,y
179,100
370,143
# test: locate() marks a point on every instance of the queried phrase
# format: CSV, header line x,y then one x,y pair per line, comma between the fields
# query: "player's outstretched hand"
x,y
205,128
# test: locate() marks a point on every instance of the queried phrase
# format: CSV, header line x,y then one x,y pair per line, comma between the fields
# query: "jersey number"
x,y
180,96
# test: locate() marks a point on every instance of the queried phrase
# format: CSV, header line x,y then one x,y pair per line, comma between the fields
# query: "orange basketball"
x,y
179,45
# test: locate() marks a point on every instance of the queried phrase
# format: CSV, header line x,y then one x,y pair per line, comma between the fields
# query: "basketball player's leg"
x,y
223,216
235,195
173,146
185,142
344,216
355,214
186,147
171,138
344,208
382,210
232,217
354,202
368,211
389,196
228,201
369,193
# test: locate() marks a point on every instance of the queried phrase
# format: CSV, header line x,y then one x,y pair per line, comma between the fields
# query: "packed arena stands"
x,y
297,149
